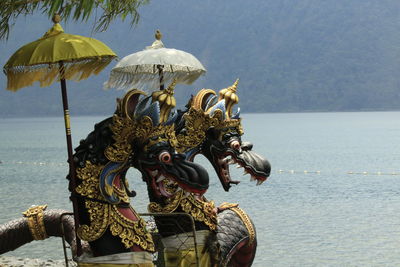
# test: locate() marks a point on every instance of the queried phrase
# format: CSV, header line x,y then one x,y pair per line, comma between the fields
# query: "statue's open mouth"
x,y
165,186
230,159
167,180
253,164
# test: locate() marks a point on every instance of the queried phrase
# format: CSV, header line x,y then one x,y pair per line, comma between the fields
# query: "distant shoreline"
x,y
27,116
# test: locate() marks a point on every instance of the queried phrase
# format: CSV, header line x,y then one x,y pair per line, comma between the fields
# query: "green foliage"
x,y
76,10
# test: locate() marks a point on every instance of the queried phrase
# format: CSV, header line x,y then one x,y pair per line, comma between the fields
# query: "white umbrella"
x,y
154,66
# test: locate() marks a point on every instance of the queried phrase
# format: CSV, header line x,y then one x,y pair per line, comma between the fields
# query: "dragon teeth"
x,y
259,182
159,179
154,173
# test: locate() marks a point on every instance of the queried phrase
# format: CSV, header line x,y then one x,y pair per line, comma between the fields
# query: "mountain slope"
x,y
305,55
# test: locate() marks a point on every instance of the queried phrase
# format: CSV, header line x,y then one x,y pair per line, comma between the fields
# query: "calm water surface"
x,y
310,212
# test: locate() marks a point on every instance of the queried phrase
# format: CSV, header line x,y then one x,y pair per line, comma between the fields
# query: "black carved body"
x,y
91,151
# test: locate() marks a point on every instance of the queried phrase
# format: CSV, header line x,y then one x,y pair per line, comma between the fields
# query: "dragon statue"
x,y
208,127
145,134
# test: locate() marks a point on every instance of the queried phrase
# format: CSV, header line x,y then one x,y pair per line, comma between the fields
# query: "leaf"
x,y
79,9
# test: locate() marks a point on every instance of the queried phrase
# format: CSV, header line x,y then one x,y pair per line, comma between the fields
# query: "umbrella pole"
x,y
72,172
161,75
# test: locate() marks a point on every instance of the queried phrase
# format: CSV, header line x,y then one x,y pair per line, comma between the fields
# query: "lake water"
x,y
333,198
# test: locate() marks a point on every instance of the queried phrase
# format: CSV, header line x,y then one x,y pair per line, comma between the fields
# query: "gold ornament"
x,y
202,211
230,96
197,124
103,215
35,219
131,232
158,35
199,101
166,99
122,130
99,215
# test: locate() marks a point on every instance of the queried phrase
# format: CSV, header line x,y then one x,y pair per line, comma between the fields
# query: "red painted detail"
x,y
242,254
128,213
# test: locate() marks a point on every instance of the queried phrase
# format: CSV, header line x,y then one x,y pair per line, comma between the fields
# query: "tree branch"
x,y
69,9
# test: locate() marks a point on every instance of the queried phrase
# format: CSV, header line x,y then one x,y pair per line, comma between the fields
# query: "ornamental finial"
x,y
157,43
56,18
230,96
166,99
158,35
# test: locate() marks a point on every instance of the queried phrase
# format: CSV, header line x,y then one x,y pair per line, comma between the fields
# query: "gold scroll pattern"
x,y
198,122
103,215
202,211
126,130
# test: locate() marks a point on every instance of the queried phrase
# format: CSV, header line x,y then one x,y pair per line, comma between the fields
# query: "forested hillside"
x,y
290,55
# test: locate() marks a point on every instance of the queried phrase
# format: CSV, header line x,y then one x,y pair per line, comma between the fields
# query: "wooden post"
x,y
72,173
161,75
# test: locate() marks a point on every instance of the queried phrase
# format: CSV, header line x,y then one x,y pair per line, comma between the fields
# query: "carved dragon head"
x,y
144,130
210,128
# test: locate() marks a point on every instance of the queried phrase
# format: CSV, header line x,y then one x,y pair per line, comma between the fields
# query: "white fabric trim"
x,y
120,258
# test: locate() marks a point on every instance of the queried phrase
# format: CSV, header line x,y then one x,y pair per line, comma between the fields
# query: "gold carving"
x,y
166,99
202,211
99,214
171,206
199,101
103,215
197,123
230,96
122,129
34,216
131,232
90,180
121,193
228,126
125,131
227,205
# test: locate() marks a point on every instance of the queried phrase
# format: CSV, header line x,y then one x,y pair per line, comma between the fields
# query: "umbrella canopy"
x,y
144,69
40,60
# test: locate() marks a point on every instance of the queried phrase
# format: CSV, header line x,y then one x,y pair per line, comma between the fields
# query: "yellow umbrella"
x,y
58,56
76,56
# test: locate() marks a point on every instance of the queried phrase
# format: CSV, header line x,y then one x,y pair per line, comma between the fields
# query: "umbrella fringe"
x,y
22,76
145,81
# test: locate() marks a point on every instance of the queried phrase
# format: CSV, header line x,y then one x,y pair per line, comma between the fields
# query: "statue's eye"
x,y
235,145
165,157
